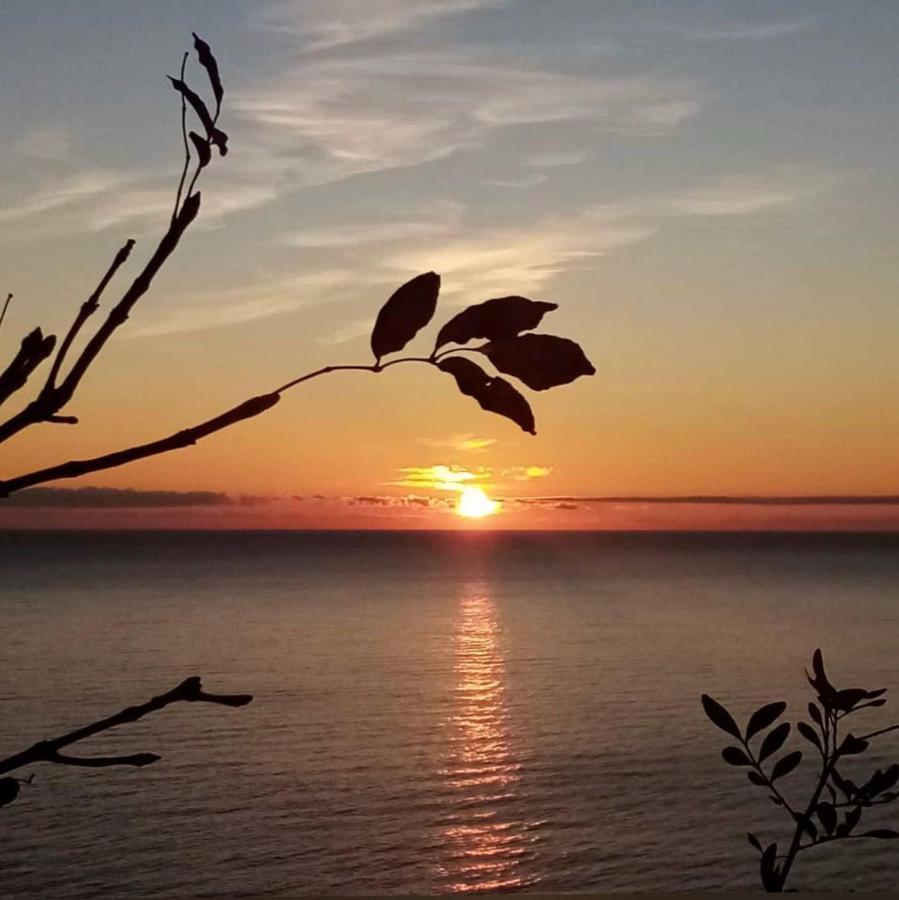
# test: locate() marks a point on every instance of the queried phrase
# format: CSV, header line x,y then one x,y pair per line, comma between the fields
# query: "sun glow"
x,y
475,504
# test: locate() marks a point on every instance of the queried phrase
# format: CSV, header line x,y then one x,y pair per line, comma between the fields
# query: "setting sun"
x,y
475,504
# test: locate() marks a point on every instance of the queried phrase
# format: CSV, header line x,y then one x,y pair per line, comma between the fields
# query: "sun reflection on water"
x,y
486,845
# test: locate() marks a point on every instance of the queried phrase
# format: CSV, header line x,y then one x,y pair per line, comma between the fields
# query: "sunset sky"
x,y
708,190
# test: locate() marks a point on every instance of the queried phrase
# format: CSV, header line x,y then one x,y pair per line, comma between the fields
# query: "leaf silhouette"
x,y
774,740
885,834
208,62
734,756
827,816
202,148
768,867
756,779
9,790
815,713
494,394
409,308
809,733
852,818
846,699
720,716
541,361
754,841
495,320
764,717
216,135
852,745
786,764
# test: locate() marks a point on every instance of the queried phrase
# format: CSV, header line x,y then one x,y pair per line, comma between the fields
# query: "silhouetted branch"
x,y
189,691
5,308
88,308
50,402
34,349
824,819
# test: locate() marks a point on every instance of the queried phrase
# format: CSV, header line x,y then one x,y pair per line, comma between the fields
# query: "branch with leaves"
x,y
503,325
834,810
189,691
540,361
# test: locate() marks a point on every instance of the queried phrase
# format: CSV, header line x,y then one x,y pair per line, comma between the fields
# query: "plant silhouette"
x,y
538,361
835,808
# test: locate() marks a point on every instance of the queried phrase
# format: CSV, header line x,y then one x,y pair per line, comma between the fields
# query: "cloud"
x,y
394,502
48,143
527,473
116,498
556,159
745,31
460,443
325,24
329,119
440,477
713,500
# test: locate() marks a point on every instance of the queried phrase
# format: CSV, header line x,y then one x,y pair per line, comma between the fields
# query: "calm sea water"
x,y
434,713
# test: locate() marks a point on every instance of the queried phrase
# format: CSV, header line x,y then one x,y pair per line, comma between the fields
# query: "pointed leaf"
x,y
852,745
9,790
786,764
409,308
495,320
852,818
734,756
764,717
815,713
846,699
202,147
827,816
885,834
754,841
208,62
809,733
216,135
541,361
756,779
807,824
768,867
492,393
720,716
774,740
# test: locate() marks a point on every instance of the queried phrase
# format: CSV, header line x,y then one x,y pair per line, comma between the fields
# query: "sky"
x,y
707,190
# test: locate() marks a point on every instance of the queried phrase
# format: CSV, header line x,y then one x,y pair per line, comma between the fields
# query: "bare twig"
x,y
190,691
5,307
88,308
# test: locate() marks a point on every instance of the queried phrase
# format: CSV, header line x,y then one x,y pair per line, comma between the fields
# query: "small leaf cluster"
x,y
213,135
540,361
835,808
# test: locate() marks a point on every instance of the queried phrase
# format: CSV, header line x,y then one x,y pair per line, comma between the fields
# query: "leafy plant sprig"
x,y
835,808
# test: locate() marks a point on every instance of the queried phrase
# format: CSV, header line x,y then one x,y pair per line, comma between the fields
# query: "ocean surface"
x,y
433,713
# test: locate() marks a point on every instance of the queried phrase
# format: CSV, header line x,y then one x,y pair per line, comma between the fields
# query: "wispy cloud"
x,y
744,31
467,443
324,24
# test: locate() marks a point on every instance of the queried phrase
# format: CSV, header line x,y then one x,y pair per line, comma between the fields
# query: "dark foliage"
x,y
836,805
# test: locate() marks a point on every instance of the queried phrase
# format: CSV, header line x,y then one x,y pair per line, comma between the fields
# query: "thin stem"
x,y
769,784
827,764
5,307
184,139
874,734
180,439
88,308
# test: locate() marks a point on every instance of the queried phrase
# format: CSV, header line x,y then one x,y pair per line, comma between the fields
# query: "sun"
x,y
475,504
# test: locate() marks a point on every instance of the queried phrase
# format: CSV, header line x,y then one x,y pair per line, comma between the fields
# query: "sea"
x,y
434,713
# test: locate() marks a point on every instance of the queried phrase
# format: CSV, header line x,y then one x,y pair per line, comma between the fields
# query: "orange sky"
x,y
737,295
